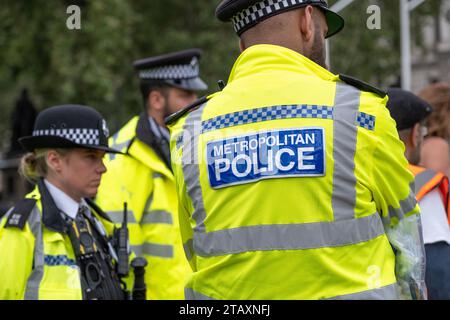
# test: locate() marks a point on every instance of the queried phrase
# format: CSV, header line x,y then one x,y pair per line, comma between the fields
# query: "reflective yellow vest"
x,y
286,180
143,181
37,262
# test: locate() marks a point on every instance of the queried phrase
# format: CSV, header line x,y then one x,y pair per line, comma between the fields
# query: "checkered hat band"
x,y
264,8
81,136
183,71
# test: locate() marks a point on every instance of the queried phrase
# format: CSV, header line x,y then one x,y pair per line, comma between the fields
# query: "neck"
x,y
287,33
296,46
57,183
158,116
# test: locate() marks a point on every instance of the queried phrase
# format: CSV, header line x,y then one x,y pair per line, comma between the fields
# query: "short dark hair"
x,y
148,86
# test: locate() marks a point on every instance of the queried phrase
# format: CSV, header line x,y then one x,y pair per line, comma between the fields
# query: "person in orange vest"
x,y
436,146
431,189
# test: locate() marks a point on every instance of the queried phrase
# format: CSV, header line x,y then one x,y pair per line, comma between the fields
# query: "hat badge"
x,y
194,62
105,128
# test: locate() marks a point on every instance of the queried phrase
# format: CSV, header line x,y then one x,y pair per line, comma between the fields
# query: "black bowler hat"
x,y
247,13
179,69
406,108
69,126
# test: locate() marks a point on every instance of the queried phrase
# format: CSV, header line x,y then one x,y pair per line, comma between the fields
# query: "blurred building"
x,y
432,63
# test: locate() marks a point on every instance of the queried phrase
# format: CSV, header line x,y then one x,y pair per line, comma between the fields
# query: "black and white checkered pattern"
x,y
261,9
183,71
81,136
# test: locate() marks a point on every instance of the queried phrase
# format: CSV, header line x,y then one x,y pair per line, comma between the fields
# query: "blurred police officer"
x,y
56,244
431,188
144,179
292,180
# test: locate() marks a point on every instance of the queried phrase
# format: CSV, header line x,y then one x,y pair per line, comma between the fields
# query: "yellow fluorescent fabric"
x,y
243,241
17,251
143,181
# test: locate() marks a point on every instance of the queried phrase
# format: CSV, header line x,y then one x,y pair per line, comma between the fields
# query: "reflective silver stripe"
x,y
158,250
157,216
118,146
190,294
423,178
137,250
406,205
157,175
189,249
288,236
344,148
412,186
34,281
383,293
190,163
117,216
6,215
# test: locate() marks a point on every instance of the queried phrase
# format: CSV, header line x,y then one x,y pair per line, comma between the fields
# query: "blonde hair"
x,y
33,165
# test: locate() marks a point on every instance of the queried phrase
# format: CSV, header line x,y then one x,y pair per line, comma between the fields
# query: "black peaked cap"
x,y
247,13
69,126
179,69
406,108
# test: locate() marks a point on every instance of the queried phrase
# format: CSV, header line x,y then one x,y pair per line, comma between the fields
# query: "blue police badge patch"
x,y
266,155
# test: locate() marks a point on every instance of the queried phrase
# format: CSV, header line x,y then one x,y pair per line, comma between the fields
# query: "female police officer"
x,y
52,243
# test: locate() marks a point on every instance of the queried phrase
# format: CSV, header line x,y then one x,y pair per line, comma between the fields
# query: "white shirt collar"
x,y
158,130
64,203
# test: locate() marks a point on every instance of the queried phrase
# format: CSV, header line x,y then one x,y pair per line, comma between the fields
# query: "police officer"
x,y
292,181
144,178
55,243
431,188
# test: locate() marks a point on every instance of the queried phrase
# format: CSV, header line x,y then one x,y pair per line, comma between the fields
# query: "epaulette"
x,y
20,213
361,85
177,115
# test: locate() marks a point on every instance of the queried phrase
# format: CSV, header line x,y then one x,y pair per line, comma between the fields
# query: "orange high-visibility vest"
x,y
427,180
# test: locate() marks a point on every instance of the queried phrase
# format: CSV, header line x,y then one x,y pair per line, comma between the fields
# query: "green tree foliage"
x,y
374,55
93,66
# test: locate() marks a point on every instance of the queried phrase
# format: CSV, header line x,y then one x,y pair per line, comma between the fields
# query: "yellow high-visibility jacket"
x,y
288,181
37,261
141,179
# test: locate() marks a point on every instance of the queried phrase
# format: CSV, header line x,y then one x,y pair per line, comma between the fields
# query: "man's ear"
x,y
306,23
415,135
156,101
241,45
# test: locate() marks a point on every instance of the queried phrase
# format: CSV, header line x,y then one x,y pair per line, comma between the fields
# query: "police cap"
x,y
68,126
179,69
245,14
406,108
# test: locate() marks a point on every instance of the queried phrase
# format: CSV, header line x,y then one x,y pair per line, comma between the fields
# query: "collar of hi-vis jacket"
x,y
51,216
144,150
262,57
146,135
